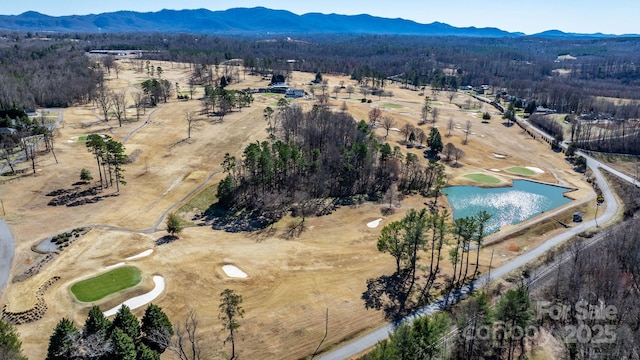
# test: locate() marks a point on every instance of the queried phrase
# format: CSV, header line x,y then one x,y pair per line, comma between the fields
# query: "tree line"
x,y
43,73
316,156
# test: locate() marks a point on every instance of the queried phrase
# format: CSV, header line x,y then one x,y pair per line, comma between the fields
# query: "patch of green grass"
x,y
482,178
106,284
82,138
202,201
521,171
271,94
391,106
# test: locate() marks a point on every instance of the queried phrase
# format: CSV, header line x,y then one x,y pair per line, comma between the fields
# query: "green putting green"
x,y
391,106
486,179
106,284
521,171
82,138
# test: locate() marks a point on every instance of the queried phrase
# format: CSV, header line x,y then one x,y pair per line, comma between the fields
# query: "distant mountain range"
x,y
248,21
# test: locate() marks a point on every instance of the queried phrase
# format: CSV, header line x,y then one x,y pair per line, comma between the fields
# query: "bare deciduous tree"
x,y
336,90
451,95
138,103
186,343
119,102
387,124
193,123
450,125
374,115
104,98
350,90
467,130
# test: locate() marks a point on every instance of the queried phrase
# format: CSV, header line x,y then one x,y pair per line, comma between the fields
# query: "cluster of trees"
x,y
221,101
110,158
318,155
473,331
422,233
44,73
549,124
156,90
127,338
124,338
29,136
621,137
603,276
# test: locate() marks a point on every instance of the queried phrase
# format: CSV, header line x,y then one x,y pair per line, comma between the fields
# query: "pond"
x,y
507,205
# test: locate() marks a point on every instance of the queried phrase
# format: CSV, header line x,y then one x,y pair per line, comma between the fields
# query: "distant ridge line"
x,y
252,21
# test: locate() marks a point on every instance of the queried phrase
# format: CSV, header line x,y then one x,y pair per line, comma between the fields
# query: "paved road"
x,y
7,250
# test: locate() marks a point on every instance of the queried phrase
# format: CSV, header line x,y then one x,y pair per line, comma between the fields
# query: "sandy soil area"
x,y
291,282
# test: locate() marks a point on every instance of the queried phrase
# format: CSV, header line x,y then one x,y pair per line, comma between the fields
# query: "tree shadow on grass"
x,y
167,239
386,293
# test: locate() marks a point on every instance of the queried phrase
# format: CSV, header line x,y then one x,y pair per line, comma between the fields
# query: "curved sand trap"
x,y
114,265
138,301
374,224
233,271
495,170
535,169
141,255
499,156
394,129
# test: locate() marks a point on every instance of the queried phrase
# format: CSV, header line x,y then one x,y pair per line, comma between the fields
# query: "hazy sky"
x,y
528,16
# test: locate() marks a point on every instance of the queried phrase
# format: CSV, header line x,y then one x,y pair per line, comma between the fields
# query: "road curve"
x,y
7,251
367,341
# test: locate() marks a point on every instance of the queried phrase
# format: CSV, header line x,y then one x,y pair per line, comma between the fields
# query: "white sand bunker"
x,y
141,255
500,156
114,265
394,129
374,224
233,271
495,170
143,299
535,169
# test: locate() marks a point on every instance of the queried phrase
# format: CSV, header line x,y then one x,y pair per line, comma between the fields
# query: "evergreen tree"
x,y
174,224
61,340
124,347
145,353
391,241
127,322
96,323
427,332
156,329
116,158
230,310
434,141
473,318
514,309
96,145
10,344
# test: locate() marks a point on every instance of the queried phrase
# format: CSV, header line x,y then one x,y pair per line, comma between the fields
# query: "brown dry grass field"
x,y
290,281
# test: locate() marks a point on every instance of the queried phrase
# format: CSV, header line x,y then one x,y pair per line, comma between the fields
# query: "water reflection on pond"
x,y
507,205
